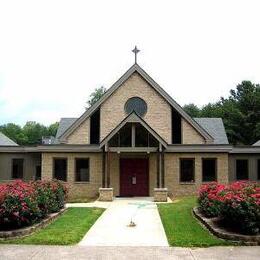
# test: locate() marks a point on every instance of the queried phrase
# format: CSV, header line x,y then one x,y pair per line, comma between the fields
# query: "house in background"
x,y
135,141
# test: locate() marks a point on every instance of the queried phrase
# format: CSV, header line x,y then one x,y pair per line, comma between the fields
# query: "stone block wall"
x,y
172,172
76,189
158,114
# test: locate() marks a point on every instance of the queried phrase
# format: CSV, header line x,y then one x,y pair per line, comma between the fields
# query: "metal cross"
x,y
135,51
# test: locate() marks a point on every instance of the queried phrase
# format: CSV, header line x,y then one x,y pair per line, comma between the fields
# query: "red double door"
x,y
134,177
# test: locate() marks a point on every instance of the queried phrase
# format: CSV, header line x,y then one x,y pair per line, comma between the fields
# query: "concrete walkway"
x,y
21,252
112,229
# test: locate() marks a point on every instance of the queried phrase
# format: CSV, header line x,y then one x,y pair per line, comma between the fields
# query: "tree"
x,y
14,132
192,110
243,111
95,96
52,129
34,132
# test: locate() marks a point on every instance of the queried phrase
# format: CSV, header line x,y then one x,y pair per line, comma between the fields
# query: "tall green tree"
x,y
95,96
14,132
192,110
34,132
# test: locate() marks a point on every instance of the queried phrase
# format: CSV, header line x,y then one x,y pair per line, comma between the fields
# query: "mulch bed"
x,y
215,226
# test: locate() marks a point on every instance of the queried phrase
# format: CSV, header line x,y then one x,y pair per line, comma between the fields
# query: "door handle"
x,y
134,180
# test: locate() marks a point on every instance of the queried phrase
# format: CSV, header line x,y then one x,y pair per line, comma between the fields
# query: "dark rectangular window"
x,y
258,169
187,170
95,127
38,174
82,169
242,169
17,168
60,169
176,127
141,136
209,169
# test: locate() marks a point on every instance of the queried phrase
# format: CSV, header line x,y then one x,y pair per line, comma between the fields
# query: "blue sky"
x,y
53,54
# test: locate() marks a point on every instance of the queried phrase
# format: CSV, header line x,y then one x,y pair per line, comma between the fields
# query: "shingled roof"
x,y
214,126
257,143
5,141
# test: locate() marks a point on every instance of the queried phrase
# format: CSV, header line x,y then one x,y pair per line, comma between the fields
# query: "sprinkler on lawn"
x,y
131,224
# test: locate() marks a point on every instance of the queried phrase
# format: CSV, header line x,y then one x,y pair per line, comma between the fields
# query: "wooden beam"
x,y
108,168
103,169
133,135
162,170
158,170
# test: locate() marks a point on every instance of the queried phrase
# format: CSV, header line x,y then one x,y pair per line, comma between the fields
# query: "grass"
x,y
68,229
181,227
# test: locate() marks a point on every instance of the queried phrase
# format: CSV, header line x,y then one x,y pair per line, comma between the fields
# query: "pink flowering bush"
x,y
208,194
238,204
24,203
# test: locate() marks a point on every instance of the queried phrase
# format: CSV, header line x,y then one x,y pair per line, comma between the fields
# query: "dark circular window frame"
x,y
136,97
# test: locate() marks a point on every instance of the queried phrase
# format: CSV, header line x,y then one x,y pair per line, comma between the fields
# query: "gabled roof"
x,y
215,127
5,141
64,124
133,118
117,84
257,143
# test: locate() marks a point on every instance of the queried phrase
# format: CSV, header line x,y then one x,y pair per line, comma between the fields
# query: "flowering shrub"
x,y
23,203
238,204
208,194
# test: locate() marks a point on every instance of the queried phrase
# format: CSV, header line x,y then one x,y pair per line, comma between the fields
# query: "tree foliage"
x,y
95,96
240,113
31,133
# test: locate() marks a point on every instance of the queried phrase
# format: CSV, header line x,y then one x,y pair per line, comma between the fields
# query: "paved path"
x,y
112,229
22,252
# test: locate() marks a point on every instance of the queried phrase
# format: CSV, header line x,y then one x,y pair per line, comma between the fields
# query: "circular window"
x,y
137,105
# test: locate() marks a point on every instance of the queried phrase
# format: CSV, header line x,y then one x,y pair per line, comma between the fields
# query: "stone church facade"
x,y
135,141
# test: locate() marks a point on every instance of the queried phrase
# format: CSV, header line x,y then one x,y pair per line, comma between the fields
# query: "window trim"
x,y
53,167
193,171
12,171
216,168
75,169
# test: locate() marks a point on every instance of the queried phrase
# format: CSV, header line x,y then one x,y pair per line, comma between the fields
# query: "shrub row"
x,y
25,203
237,204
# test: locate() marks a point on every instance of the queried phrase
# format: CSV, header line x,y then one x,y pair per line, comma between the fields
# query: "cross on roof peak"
x,y
135,51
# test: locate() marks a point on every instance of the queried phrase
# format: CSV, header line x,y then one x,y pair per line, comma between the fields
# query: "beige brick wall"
x,y
158,114
76,189
81,134
190,135
172,171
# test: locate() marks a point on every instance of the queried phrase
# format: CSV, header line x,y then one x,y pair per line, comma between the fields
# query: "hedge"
x,y
25,203
237,204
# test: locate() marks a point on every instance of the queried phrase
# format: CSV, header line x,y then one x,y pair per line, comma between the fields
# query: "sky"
x,y
53,54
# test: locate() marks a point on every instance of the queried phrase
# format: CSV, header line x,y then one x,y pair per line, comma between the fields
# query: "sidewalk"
x,y
21,252
112,228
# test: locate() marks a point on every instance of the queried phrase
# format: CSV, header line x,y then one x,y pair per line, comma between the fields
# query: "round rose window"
x,y
137,105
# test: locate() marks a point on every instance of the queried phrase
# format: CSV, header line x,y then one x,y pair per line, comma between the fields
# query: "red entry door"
x,y
134,177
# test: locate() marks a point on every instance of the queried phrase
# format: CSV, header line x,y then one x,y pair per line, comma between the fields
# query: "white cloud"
x,y
54,53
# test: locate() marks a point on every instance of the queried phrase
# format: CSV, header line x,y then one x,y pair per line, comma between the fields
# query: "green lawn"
x,y
182,229
68,229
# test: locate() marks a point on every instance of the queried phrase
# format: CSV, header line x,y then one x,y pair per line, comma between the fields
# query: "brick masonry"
x,y
76,189
106,194
158,114
81,134
160,194
172,172
190,135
